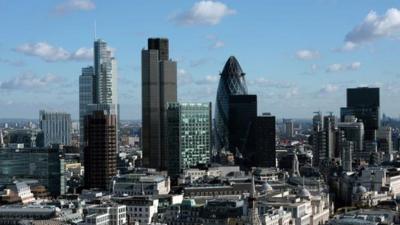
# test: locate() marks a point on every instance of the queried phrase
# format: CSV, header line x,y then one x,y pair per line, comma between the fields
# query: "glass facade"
x,y
231,82
43,164
105,71
189,135
363,103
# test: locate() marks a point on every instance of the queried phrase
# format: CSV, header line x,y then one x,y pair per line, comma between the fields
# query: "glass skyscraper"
x,y
98,86
363,103
231,82
105,72
189,135
86,95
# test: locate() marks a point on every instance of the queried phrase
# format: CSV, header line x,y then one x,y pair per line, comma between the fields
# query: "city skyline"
x,y
297,59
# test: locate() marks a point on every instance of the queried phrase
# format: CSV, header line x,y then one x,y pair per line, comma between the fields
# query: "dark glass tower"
x,y
363,103
159,77
231,82
260,149
242,112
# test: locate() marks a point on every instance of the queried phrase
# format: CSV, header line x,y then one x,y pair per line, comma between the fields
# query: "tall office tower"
x,y
324,141
100,149
105,74
231,82
318,142
353,131
98,85
288,128
160,44
363,103
86,97
43,164
189,135
330,128
260,146
242,112
346,156
56,127
384,138
159,77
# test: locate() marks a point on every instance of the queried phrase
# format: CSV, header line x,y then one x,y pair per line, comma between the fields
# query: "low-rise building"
x,y
105,214
139,184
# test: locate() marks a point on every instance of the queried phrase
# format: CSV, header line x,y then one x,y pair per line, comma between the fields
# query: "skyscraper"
x,y
363,103
242,112
100,149
261,149
105,72
159,77
323,138
189,135
98,85
231,82
86,96
56,127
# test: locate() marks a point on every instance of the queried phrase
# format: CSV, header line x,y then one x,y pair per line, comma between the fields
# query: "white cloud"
x,y
329,88
337,67
83,54
205,12
348,46
306,54
29,81
51,53
44,51
74,5
375,26
210,79
218,44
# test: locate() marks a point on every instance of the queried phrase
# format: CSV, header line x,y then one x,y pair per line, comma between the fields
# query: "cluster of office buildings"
x,y
239,167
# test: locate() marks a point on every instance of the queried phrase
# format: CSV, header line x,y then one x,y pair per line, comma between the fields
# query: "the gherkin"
x,y
231,82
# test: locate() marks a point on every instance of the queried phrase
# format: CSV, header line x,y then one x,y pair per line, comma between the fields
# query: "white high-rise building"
x,y
105,74
98,85
56,127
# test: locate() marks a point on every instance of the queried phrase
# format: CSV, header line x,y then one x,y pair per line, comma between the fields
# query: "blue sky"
x,y
299,56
